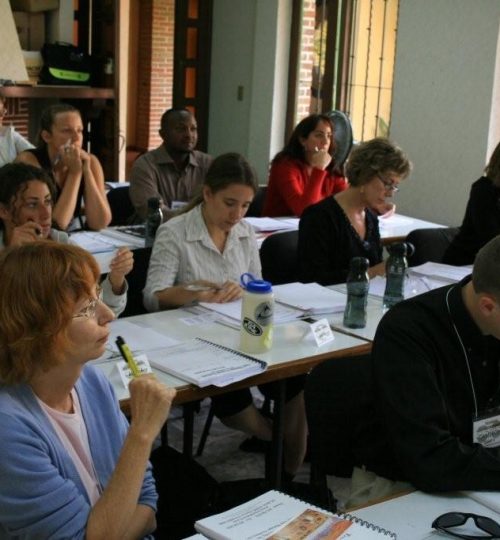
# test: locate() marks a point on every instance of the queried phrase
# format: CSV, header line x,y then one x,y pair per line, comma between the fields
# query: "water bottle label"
x,y
396,269
252,327
264,313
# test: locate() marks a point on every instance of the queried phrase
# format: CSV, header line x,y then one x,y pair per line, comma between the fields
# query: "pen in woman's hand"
x,y
194,287
127,356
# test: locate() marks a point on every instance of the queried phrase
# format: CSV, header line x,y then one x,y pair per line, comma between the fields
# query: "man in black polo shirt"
x,y
436,383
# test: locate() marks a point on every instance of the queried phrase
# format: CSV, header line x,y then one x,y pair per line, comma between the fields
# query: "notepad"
x,y
205,363
275,515
311,298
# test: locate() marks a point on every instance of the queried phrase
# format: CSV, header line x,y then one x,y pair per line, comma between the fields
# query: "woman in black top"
x,y
78,175
345,225
482,216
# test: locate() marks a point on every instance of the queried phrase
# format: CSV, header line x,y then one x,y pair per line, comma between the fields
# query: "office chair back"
x,y
121,207
338,398
430,244
278,256
255,208
136,282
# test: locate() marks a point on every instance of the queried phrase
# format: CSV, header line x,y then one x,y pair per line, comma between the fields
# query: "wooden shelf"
x,y
46,91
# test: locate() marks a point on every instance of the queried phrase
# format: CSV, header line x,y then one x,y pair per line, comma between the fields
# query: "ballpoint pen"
x,y
127,356
195,287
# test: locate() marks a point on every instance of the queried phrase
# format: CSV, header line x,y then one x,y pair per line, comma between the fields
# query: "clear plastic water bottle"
x,y
395,273
153,220
257,309
357,293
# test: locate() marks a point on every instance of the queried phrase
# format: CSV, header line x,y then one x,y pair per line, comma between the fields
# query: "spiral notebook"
x,y
275,515
203,363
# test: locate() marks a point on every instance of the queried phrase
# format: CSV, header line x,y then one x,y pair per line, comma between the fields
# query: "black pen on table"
x,y
127,356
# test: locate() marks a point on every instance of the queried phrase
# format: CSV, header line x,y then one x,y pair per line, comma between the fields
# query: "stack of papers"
x,y
105,240
139,338
310,298
423,278
266,224
445,272
231,312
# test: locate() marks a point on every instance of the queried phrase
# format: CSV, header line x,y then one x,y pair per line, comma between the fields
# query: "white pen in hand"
x,y
194,287
66,148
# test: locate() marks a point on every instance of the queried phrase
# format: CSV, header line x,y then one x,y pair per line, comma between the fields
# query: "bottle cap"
x,y
359,263
398,248
251,284
153,203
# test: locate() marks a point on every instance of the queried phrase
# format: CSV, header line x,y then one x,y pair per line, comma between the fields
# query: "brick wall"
x,y
306,60
156,69
17,115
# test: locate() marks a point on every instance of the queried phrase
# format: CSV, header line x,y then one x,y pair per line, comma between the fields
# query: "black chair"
x,y
339,406
136,282
278,256
255,208
122,209
430,244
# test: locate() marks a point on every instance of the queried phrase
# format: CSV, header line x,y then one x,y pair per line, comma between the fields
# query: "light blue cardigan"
x,y
41,494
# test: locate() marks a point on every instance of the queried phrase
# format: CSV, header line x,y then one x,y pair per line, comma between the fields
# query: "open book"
x,y
276,516
203,363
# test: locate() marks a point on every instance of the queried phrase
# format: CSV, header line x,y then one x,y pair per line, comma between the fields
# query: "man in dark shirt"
x,y
172,172
435,365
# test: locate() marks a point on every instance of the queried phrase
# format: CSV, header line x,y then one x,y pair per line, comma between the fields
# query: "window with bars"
x,y
344,60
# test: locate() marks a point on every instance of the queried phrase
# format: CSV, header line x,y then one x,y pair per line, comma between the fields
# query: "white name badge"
x,y
486,430
126,373
322,332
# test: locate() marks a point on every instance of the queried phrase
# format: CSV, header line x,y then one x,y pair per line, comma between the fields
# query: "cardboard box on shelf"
x,y
31,29
34,6
34,62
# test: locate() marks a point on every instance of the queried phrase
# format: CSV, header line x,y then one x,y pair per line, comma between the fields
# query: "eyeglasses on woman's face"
x,y
90,310
389,185
446,522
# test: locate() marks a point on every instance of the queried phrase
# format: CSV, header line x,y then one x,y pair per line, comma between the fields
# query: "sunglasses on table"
x,y
447,521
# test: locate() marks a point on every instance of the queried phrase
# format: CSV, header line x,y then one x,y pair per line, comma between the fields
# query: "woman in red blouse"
x,y
304,172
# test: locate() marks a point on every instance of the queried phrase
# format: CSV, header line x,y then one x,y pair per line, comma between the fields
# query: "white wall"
x,y
445,64
250,49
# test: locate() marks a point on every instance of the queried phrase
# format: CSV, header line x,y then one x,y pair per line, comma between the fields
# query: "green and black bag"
x,y
65,64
